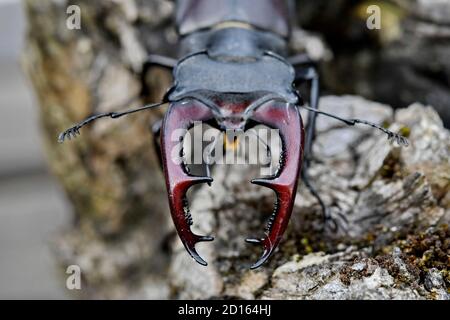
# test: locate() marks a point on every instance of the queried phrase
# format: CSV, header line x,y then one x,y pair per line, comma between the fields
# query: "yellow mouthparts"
x,y
231,142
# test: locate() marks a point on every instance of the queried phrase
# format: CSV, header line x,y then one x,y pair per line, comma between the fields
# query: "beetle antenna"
x,y
401,140
75,130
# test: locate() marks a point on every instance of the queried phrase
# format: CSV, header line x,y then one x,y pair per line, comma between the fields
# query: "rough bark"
x,y
110,174
391,204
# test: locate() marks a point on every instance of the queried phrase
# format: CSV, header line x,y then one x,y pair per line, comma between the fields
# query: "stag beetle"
x,y
233,66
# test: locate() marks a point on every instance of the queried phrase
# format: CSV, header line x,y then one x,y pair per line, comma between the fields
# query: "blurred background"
x,y
32,207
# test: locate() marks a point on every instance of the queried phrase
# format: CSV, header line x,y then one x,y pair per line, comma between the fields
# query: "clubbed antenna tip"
x,y
401,140
69,134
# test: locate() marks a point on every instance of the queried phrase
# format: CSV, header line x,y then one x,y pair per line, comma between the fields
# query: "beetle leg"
x,y
178,119
301,59
287,119
308,72
212,147
156,131
154,60
159,61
